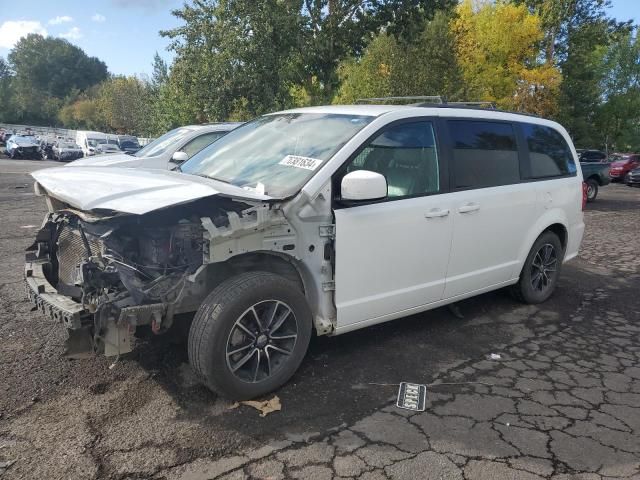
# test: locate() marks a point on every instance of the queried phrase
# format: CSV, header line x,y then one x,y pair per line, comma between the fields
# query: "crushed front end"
x,y
104,276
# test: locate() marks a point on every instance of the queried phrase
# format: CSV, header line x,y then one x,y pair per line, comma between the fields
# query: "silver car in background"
x,y
66,151
166,152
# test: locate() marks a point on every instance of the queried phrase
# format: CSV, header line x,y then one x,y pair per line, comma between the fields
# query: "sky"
x,y
124,33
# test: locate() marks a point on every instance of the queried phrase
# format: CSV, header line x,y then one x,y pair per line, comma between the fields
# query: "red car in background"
x,y
622,164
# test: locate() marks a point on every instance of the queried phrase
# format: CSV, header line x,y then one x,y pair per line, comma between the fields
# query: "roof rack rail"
x,y
491,105
439,101
432,99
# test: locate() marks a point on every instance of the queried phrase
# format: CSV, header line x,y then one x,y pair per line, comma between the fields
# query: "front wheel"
x,y
541,269
250,335
592,189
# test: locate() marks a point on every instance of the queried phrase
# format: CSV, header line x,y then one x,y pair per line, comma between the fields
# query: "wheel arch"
x,y
595,177
554,221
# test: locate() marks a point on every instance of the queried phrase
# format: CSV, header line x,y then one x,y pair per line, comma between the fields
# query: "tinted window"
x,y
549,153
485,154
406,155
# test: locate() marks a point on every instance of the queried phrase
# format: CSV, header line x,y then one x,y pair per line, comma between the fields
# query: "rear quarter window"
x,y
549,153
485,153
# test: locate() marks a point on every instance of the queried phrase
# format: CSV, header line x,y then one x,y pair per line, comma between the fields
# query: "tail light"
x,y
584,195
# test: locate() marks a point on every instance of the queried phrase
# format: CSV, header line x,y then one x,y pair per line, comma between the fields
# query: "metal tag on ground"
x,y
412,396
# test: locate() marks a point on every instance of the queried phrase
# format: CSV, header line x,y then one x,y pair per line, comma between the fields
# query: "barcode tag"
x,y
297,161
412,396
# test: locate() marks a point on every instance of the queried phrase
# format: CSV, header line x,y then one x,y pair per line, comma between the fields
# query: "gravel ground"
x,y
562,402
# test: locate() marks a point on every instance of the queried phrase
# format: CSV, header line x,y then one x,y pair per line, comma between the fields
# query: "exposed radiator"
x,y
71,252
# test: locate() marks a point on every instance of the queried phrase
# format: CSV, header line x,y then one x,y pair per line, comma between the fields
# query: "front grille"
x,y
71,252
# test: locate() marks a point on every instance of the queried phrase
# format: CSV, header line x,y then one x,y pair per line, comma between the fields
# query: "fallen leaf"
x,y
264,407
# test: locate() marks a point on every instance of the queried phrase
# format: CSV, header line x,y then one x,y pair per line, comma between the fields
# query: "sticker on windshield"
x,y
301,162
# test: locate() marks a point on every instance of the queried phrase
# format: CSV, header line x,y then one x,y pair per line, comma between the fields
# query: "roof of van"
x,y
449,110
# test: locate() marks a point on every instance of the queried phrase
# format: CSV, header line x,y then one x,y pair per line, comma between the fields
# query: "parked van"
x,y
89,140
316,220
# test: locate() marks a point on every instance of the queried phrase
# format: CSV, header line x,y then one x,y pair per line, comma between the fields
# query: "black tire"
x,y
524,290
592,189
215,327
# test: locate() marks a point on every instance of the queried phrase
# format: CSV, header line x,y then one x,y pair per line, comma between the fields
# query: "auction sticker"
x,y
297,161
412,396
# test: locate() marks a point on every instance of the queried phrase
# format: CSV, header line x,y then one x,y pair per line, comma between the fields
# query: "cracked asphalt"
x,y
561,402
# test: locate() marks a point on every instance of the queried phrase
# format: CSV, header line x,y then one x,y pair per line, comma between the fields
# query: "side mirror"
x,y
179,157
363,185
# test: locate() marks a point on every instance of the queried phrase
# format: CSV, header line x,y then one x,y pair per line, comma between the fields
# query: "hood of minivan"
x,y
115,160
134,191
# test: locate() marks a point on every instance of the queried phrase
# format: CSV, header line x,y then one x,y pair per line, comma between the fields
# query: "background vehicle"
x,y
336,217
591,156
167,151
595,175
88,141
622,164
107,147
633,178
66,151
128,144
23,146
46,145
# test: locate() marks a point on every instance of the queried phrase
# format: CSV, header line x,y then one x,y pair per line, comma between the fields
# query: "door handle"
x,y
436,212
469,207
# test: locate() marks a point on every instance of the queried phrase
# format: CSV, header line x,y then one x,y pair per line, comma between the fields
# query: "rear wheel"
x,y
250,335
592,189
541,269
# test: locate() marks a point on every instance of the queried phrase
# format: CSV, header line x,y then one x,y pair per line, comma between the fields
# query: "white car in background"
x,y
166,152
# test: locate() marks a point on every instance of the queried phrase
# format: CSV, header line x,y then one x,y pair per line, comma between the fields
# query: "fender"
x,y
550,217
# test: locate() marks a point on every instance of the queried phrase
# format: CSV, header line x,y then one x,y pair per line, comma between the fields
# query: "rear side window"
x,y
485,154
549,153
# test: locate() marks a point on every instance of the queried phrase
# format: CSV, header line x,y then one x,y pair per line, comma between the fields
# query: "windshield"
x,y
160,145
276,154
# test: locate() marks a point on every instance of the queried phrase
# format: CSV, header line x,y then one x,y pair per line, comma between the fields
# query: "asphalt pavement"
x,y
560,397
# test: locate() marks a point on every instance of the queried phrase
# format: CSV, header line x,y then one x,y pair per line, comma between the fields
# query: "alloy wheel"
x,y
261,341
543,267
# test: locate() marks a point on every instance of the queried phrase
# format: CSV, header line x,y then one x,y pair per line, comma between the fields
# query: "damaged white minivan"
x,y
316,220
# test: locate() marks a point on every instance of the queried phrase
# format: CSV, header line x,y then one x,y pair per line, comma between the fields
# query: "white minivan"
x,y
319,220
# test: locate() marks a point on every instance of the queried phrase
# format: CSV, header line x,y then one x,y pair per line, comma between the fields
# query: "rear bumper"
x,y
47,300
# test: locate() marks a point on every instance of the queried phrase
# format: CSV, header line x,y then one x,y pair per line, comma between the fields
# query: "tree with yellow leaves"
x,y
498,48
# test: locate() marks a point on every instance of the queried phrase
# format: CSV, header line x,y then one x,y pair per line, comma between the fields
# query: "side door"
x,y
491,209
391,255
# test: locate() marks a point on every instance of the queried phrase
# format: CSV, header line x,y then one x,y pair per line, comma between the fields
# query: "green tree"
x,y
160,73
576,38
46,70
239,58
124,105
335,30
618,118
234,57
6,108
393,67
